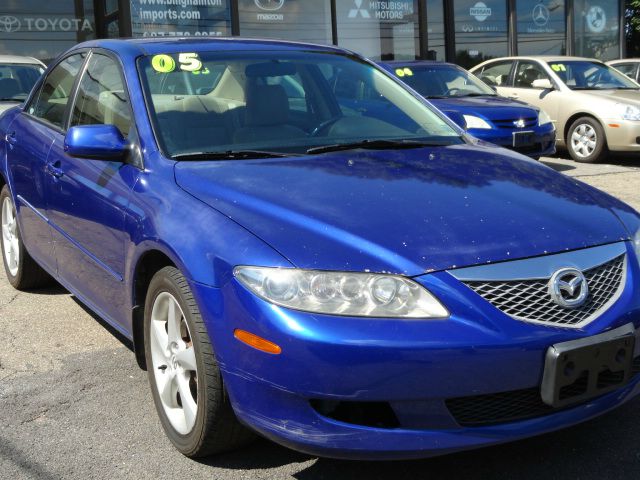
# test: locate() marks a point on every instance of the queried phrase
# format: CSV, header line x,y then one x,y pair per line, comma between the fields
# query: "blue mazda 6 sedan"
x,y
346,285
477,108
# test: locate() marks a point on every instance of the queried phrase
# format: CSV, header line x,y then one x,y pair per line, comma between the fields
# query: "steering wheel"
x,y
323,126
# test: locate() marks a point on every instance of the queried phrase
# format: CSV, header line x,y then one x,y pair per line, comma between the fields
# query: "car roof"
x,y
416,63
545,58
135,47
19,59
624,60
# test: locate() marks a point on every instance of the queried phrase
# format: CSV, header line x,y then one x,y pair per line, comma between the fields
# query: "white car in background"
x,y
595,108
17,76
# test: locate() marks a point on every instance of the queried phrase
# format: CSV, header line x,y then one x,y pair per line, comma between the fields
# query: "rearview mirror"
x,y
100,142
270,69
543,83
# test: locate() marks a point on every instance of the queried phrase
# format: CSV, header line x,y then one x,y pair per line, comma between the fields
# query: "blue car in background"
x,y
284,263
477,108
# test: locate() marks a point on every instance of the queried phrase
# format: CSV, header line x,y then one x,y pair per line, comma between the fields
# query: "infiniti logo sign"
x,y
568,288
9,24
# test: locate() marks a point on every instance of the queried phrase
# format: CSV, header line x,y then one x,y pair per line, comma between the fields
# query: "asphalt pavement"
x,y
74,405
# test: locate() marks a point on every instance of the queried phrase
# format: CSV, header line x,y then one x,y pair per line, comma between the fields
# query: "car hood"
x,y
489,107
4,106
405,211
626,96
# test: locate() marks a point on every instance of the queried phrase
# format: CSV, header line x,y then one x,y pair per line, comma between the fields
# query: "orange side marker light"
x,y
614,125
257,342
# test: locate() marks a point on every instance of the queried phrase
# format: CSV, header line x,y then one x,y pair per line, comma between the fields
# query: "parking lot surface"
x,y
74,405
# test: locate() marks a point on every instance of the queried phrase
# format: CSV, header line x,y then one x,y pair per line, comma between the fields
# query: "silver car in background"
x,y
595,108
628,66
17,76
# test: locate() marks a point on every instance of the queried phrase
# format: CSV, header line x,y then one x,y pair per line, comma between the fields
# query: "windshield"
x,y
280,102
16,80
442,81
589,75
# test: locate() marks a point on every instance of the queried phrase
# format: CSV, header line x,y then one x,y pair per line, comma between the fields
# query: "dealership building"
x,y
461,31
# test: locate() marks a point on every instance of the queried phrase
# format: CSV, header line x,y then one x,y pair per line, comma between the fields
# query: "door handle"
x,y
11,138
54,169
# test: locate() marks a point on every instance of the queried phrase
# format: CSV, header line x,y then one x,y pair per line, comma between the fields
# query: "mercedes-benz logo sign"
x,y
9,24
540,15
269,5
568,287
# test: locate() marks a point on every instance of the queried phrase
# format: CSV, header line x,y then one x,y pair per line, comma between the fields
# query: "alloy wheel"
x,y
584,140
174,363
10,243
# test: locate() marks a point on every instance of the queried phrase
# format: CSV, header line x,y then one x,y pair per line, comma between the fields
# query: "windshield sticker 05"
x,y
188,62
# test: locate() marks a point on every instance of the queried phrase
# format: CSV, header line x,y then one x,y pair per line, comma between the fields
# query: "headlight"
x,y
628,112
543,118
472,121
341,293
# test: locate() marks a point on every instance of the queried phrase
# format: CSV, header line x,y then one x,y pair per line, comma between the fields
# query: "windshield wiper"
x,y
475,94
373,145
11,99
436,96
228,155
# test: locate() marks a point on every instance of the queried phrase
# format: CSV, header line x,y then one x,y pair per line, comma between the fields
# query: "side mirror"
x,y
543,83
100,142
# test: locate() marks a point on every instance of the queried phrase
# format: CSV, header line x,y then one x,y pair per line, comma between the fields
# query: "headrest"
x,y
266,105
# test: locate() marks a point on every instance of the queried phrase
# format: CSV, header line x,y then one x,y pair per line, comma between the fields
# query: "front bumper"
x,y
623,136
414,366
543,140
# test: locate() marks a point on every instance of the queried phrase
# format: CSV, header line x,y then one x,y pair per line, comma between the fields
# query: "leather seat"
x,y
266,116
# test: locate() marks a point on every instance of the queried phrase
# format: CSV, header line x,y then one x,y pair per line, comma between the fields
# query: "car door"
x,y
88,198
496,74
526,72
29,140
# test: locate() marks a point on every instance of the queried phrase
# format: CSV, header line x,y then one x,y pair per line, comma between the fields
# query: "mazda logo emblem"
x,y
568,288
9,24
269,5
519,123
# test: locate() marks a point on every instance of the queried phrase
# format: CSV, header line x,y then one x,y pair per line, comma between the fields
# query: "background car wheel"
x,y
586,141
186,384
22,270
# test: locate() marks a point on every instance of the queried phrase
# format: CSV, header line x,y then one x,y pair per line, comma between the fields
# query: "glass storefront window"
x,y
301,20
175,18
44,29
481,31
435,30
597,28
379,29
541,27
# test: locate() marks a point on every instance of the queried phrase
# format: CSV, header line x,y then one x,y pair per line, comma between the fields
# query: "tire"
x,y
22,271
193,406
586,141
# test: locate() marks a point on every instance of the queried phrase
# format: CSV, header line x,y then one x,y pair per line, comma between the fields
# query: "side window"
x,y
102,97
629,69
497,74
51,102
527,72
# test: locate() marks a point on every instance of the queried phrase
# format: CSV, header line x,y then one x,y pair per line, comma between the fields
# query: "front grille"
x,y
529,300
504,407
510,122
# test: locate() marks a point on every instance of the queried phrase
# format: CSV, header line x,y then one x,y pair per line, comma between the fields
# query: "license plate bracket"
x,y
582,369
523,139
